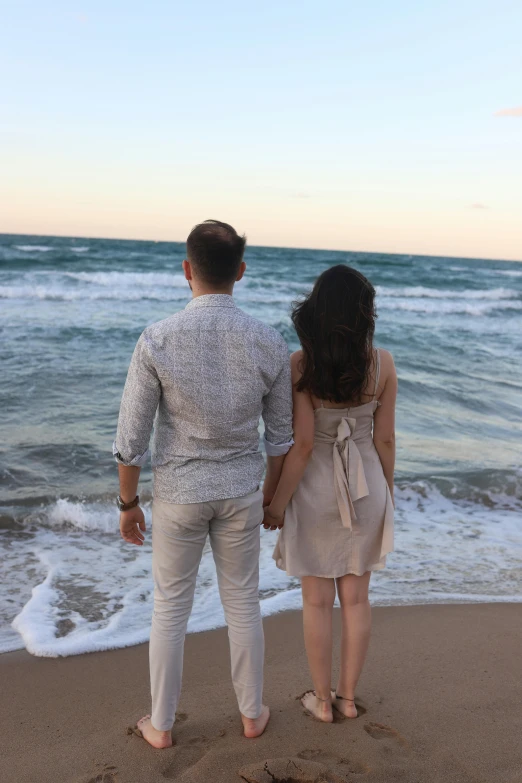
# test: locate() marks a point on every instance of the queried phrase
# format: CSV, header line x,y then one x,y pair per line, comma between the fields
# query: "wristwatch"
x,y
127,506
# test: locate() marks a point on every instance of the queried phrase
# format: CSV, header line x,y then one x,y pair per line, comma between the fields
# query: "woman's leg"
x,y
318,600
356,626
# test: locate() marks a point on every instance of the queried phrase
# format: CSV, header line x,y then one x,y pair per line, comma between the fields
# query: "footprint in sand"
x,y
186,755
107,775
320,768
361,710
381,732
340,764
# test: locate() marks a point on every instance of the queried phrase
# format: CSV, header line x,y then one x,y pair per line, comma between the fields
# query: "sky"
x,y
388,127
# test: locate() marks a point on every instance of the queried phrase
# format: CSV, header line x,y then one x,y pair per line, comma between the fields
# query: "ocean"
x,y
71,312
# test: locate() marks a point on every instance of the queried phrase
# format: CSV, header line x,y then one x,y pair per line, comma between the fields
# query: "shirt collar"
x,y
212,300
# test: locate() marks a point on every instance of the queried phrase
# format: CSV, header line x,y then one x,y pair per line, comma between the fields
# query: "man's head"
x,y
215,256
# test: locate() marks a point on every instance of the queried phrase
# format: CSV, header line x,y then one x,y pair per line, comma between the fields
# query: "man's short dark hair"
x,y
216,250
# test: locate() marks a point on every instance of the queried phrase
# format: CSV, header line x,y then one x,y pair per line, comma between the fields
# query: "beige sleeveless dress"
x,y
340,518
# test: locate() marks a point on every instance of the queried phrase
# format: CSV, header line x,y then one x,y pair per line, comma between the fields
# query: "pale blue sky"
x,y
335,124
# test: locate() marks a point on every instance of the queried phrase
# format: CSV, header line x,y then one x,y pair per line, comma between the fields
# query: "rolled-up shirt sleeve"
x,y
277,411
139,402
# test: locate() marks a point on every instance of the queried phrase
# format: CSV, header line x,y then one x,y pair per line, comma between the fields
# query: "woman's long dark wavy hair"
x,y
335,325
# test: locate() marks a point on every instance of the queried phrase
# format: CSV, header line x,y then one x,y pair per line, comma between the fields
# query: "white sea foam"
x,y
33,248
420,292
508,272
130,279
163,287
57,293
80,249
266,297
119,285
91,517
122,286
77,578
453,307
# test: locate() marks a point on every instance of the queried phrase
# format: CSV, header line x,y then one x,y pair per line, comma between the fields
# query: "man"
x,y
208,373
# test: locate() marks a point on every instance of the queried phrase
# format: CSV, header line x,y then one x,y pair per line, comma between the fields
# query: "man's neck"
x,y
198,290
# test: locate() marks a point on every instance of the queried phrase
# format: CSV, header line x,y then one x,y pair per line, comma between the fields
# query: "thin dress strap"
x,y
377,373
321,405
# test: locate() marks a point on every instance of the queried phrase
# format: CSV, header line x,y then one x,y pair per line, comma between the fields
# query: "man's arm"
x,y
274,466
138,407
277,417
299,455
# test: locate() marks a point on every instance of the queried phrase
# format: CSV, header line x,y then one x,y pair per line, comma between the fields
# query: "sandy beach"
x,y
439,700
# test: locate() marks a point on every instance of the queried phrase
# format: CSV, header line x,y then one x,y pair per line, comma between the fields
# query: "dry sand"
x,y
440,700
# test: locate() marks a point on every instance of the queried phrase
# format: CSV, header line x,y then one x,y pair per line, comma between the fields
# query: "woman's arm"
x,y
298,456
384,419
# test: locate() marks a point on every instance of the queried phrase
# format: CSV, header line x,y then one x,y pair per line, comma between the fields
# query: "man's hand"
x,y
268,490
268,496
132,526
274,466
271,521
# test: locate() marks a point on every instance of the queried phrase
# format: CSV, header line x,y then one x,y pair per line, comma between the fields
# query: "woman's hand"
x,y
272,521
132,526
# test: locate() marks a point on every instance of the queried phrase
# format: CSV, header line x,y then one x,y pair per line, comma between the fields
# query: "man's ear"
x,y
187,269
242,270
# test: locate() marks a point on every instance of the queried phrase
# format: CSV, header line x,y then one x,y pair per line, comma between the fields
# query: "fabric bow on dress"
x,y
350,480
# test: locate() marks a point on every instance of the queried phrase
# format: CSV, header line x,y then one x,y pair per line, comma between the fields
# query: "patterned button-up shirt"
x,y
206,375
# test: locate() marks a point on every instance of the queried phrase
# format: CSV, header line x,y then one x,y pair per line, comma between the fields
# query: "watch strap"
x,y
127,506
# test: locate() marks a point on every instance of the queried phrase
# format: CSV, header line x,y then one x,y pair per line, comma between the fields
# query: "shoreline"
x,y
459,600
439,700
456,600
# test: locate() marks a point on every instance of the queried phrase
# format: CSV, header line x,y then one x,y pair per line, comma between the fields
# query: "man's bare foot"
x,y
321,710
254,727
345,706
158,739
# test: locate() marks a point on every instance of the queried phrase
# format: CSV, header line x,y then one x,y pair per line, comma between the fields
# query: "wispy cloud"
x,y
301,195
479,206
516,112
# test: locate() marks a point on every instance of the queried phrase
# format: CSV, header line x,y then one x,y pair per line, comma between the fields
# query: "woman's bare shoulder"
x,y
387,366
296,365
295,359
386,358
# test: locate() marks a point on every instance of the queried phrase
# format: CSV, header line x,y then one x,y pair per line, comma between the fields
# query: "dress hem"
x,y
376,567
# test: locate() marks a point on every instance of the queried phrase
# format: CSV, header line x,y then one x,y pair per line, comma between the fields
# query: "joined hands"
x,y
272,521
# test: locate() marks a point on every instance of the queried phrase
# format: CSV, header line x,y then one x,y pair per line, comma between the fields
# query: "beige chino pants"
x,y
179,533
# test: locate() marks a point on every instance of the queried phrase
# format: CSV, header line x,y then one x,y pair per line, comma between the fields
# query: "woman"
x,y
335,493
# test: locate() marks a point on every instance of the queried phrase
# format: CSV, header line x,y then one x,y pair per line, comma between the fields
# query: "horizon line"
x,y
281,247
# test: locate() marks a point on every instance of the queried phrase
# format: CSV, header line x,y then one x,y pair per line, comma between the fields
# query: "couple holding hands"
x,y
204,377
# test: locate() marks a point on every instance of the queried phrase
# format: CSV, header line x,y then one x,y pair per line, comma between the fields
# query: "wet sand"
x,y
440,700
